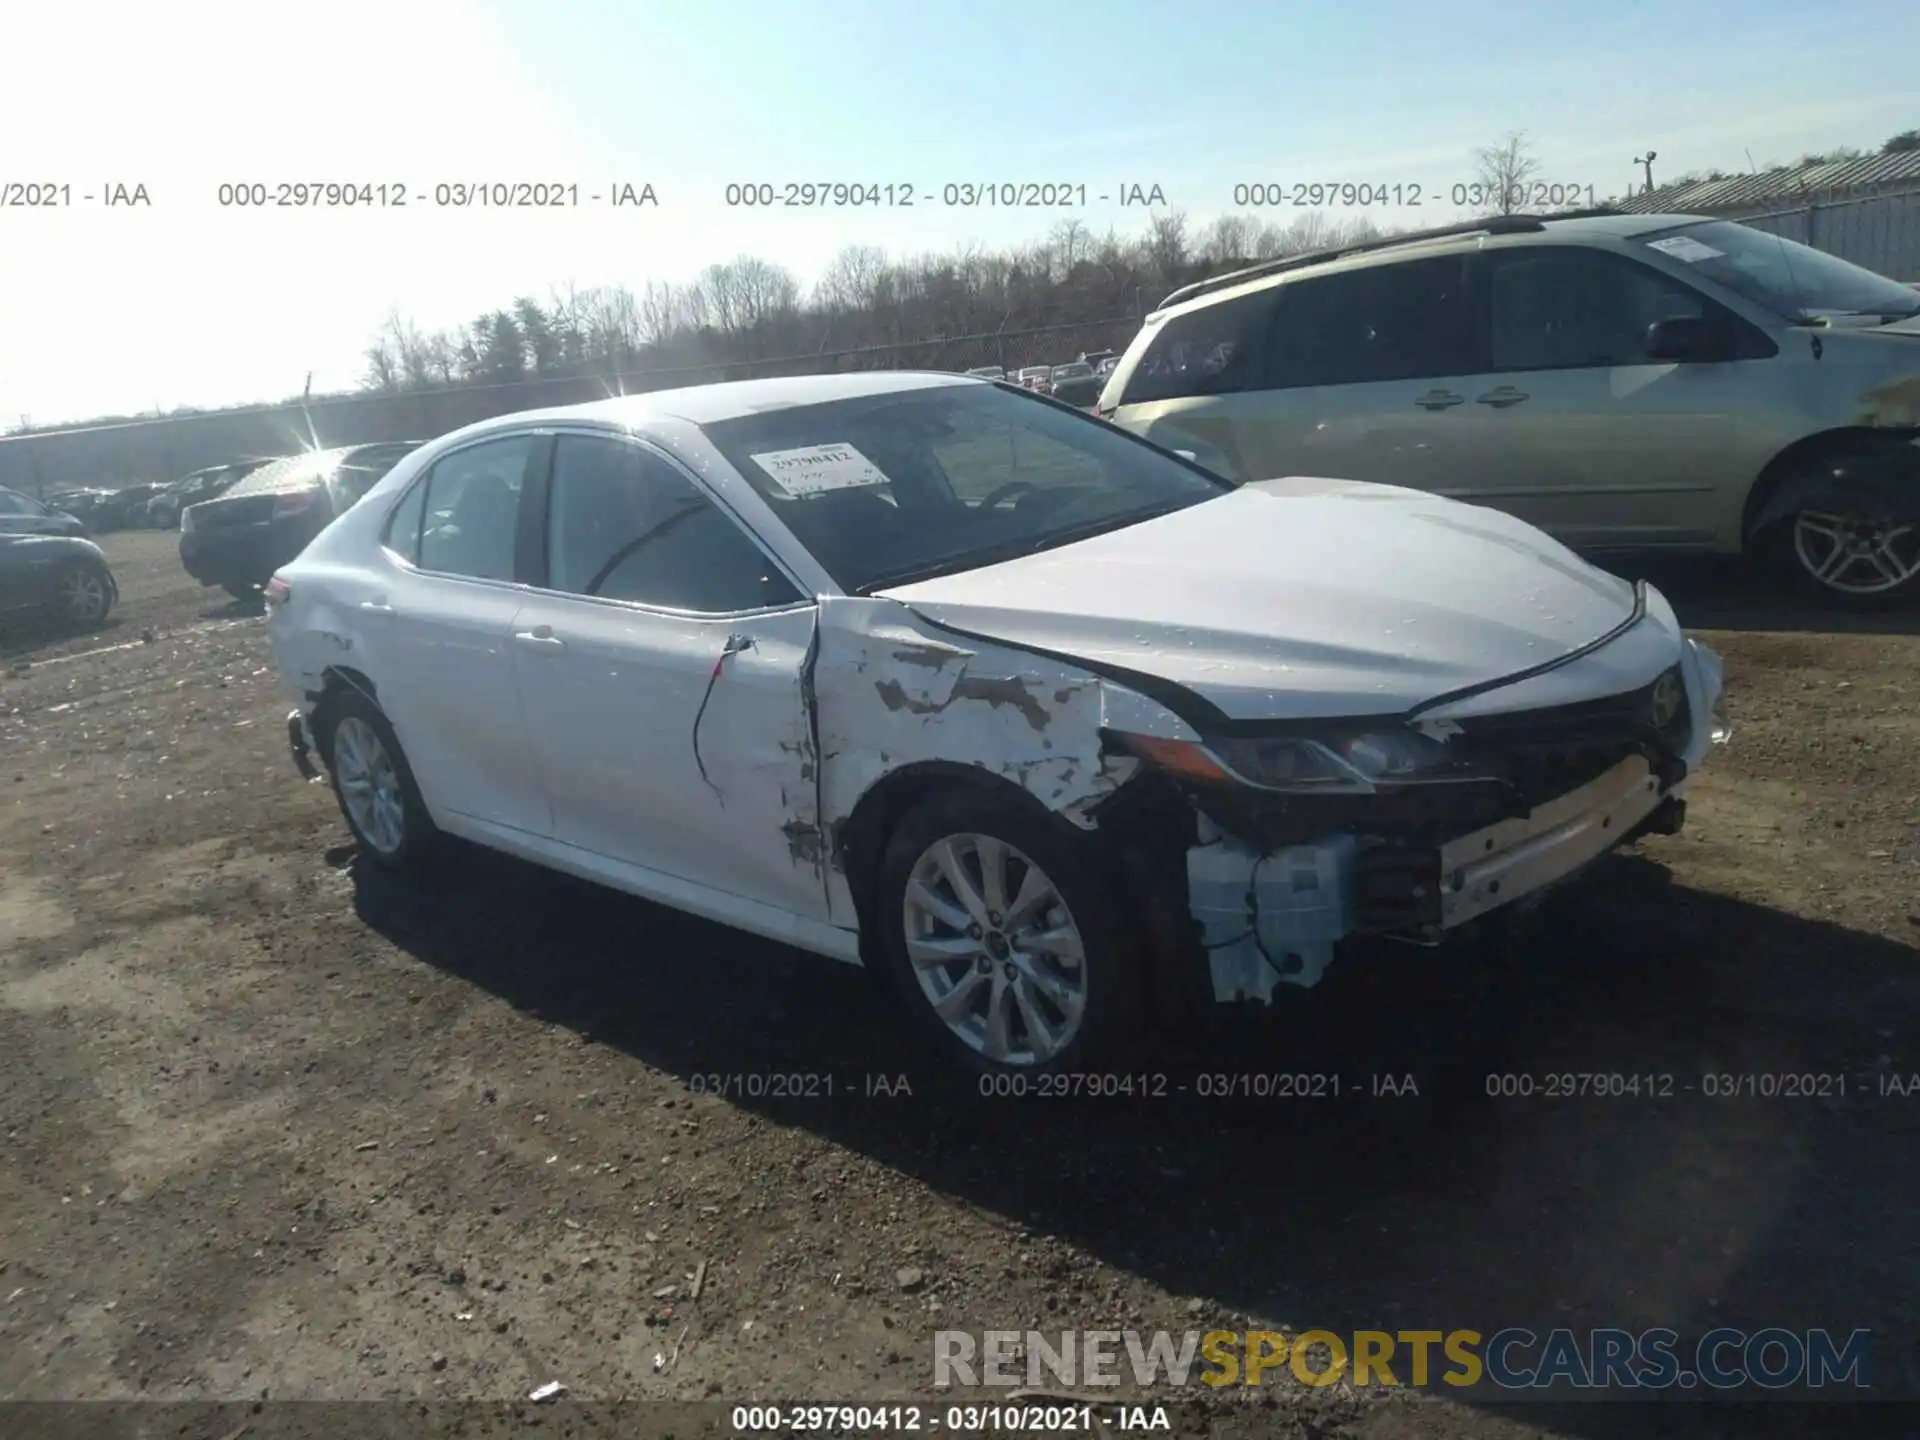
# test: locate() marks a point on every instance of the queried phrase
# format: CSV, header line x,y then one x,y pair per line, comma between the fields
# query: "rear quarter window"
x,y
1214,350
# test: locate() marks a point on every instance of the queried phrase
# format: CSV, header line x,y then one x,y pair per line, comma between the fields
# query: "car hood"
x,y
1297,598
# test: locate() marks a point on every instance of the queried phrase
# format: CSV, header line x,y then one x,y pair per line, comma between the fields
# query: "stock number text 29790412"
x,y
963,195
442,195
1408,194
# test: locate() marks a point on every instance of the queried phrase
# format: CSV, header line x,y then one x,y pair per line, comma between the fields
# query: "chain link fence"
x,y
166,448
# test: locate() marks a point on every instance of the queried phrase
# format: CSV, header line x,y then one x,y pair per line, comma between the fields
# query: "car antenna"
x,y
1787,261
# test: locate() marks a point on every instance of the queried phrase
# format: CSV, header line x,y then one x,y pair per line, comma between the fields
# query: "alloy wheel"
x,y
995,950
369,785
82,594
1856,556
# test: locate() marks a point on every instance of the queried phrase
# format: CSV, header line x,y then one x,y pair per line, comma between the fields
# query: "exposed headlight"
x,y
1713,681
1352,762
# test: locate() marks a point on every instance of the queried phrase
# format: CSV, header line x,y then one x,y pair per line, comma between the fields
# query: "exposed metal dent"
x,y
891,691
1011,691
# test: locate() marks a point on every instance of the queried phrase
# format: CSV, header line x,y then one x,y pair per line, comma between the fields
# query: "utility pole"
x,y
1646,162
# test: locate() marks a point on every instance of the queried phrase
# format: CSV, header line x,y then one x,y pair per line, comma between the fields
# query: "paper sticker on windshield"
x,y
816,469
1685,247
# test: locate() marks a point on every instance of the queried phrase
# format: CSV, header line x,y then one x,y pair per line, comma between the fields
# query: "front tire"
x,y
82,593
379,798
1002,935
1849,562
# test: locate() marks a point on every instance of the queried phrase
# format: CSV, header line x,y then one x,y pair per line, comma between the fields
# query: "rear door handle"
x,y
1440,400
542,639
1503,396
376,607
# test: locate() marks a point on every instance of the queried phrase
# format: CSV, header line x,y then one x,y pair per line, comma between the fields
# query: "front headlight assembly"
x,y
1713,680
1336,763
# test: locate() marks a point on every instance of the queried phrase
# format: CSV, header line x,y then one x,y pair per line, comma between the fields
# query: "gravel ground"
x,y
275,1128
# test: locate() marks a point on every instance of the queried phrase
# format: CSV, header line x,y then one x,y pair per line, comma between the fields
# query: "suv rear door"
x,y
1362,377
1574,428
1355,374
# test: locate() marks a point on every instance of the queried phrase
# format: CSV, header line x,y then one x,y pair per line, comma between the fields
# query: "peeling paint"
x,y
804,843
1011,691
892,692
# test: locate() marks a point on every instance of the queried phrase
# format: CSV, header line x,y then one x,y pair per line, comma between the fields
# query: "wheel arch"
x,y
1761,511
336,680
860,839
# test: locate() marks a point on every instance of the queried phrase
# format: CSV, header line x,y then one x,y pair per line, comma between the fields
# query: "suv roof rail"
x,y
1492,225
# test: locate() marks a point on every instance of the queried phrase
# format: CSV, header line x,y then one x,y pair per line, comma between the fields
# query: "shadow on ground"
x,y
1454,1209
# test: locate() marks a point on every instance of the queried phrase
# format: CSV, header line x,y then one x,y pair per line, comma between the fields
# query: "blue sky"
x,y
189,302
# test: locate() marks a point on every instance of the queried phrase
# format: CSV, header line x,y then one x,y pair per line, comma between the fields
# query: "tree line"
x,y
752,309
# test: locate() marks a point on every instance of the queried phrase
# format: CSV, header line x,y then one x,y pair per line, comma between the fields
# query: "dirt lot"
x,y
274,1128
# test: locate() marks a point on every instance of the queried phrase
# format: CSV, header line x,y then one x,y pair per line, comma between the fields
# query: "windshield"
x,y
917,483
1793,280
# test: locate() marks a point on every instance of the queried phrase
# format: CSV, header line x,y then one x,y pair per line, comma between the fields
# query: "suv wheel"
x,y
1851,560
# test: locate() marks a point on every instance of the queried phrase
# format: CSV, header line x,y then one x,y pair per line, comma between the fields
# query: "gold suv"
x,y
1621,381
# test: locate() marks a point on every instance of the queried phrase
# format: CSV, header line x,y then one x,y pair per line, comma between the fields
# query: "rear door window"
x,y
1210,351
1404,321
473,509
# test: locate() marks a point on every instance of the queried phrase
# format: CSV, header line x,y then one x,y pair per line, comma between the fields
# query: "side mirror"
x,y
1683,339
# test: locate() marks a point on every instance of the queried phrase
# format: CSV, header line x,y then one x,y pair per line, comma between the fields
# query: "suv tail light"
x,y
278,592
298,502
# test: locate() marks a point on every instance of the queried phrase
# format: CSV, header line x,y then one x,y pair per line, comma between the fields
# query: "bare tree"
x,y
657,312
1166,244
1503,174
383,368
850,280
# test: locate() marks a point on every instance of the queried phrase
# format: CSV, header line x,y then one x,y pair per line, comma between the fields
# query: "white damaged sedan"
x,y
932,674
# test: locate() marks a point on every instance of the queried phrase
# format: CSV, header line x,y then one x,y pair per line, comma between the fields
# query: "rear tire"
x,y
378,796
998,916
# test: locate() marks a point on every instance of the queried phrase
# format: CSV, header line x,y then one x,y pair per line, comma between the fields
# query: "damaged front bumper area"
x,y
1277,881
301,745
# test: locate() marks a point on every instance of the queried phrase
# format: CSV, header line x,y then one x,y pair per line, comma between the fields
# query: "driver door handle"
x,y
1502,396
376,607
542,639
1440,400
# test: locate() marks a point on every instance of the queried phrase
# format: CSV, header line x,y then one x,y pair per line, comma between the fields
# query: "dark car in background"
x,y
163,510
21,514
62,577
122,509
237,540
1076,384
80,503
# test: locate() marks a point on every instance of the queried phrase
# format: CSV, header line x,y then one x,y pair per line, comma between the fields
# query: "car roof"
x,y
1501,231
729,400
